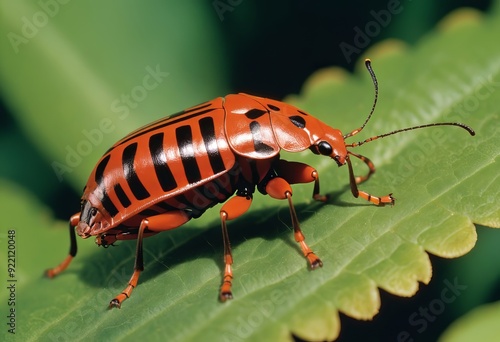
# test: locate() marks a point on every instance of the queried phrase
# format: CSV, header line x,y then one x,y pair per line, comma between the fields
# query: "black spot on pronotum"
x,y
255,113
298,121
273,107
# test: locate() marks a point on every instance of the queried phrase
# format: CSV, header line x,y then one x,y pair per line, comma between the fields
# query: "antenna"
x,y
375,84
467,128
368,64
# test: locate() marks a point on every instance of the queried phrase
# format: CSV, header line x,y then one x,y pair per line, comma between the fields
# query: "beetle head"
x,y
92,221
331,144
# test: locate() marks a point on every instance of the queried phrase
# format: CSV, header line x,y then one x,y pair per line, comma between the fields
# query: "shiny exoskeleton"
x,y
164,174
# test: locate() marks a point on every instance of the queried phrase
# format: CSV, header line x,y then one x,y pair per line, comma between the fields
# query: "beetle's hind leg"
x,y
138,268
233,208
157,223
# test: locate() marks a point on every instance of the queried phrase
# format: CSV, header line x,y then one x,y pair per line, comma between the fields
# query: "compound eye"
x,y
93,211
325,148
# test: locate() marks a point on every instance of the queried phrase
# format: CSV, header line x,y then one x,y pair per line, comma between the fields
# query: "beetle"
x,y
162,175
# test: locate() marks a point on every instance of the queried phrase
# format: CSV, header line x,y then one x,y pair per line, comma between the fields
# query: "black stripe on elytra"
x,y
207,129
163,172
259,146
184,137
298,121
99,171
108,205
255,113
122,196
133,180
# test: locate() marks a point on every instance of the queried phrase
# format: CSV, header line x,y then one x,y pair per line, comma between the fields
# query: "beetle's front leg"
x,y
295,172
381,201
158,223
369,163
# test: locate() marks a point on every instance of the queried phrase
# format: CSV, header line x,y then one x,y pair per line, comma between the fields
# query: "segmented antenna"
x,y
375,84
467,128
368,64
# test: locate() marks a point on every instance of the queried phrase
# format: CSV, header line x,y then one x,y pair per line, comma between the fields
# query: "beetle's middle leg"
x,y
279,188
157,223
295,172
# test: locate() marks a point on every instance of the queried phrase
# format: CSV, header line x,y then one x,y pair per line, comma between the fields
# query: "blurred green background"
x,y
62,70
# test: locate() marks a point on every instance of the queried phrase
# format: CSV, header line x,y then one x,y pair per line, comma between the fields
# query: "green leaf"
x,y
444,181
81,75
481,324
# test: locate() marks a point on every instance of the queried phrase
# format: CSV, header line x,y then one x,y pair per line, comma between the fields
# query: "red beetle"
x,y
162,175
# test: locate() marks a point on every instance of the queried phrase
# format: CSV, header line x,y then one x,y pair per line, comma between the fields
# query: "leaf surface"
x,y
481,324
443,179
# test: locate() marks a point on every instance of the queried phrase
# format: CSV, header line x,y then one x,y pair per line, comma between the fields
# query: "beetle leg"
x,y
368,162
52,272
295,172
233,208
157,223
279,188
381,201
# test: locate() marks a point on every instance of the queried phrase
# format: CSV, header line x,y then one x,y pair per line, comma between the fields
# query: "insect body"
x,y
162,175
